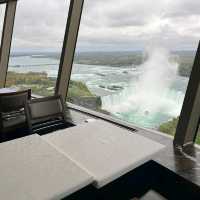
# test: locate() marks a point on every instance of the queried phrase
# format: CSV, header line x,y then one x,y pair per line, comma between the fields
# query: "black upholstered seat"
x,y
12,107
46,114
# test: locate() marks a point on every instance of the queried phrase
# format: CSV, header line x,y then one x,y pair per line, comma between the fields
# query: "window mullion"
x,y
69,45
6,40
189,118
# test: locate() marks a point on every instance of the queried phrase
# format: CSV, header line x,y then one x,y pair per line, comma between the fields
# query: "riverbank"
x,y
41,84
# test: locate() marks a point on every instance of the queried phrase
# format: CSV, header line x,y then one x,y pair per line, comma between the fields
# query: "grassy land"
x,y
115,59
170,128
38,82
184,59
77,88
41,84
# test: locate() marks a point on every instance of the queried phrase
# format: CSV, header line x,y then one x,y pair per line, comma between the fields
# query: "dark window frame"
x,y
6,39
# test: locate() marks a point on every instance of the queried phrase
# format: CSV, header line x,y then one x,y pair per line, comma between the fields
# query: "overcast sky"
x,y
109,24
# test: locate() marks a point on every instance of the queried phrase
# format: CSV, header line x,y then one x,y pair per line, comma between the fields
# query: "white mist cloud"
x,y
151,94
154,84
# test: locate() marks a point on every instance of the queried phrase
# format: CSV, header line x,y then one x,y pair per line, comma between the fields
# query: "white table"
x,y
7,90
104,150
31,169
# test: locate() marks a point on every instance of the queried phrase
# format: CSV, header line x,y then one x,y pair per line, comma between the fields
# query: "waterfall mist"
x,y
151,95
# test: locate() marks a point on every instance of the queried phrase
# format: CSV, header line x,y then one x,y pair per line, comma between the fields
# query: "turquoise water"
x,y
145,111
136,94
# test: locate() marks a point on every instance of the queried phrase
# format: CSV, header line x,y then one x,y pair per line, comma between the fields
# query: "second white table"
x,y
104,150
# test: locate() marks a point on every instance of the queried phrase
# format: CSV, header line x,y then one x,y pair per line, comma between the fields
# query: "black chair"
x,y
12,116
46,115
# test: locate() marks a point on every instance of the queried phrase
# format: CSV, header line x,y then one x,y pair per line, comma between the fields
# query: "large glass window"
x,y
133,60
2,13
37,44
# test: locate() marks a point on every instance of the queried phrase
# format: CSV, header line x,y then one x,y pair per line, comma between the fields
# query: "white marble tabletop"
x,y
7,90
31,169
106,151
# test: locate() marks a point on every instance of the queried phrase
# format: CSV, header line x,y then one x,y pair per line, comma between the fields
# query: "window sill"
x,y
112,120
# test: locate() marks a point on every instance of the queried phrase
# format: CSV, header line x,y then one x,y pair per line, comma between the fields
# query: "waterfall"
x,y
152,94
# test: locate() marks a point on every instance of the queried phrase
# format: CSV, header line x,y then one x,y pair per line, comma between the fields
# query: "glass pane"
x,y
37,43
2,13
133,60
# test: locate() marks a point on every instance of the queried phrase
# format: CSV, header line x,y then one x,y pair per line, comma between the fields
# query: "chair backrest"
x,y
44,109
14,101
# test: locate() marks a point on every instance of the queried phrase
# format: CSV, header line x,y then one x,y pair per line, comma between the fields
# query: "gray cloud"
x,y
183,8
133,24
40,25
109,24
2,12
